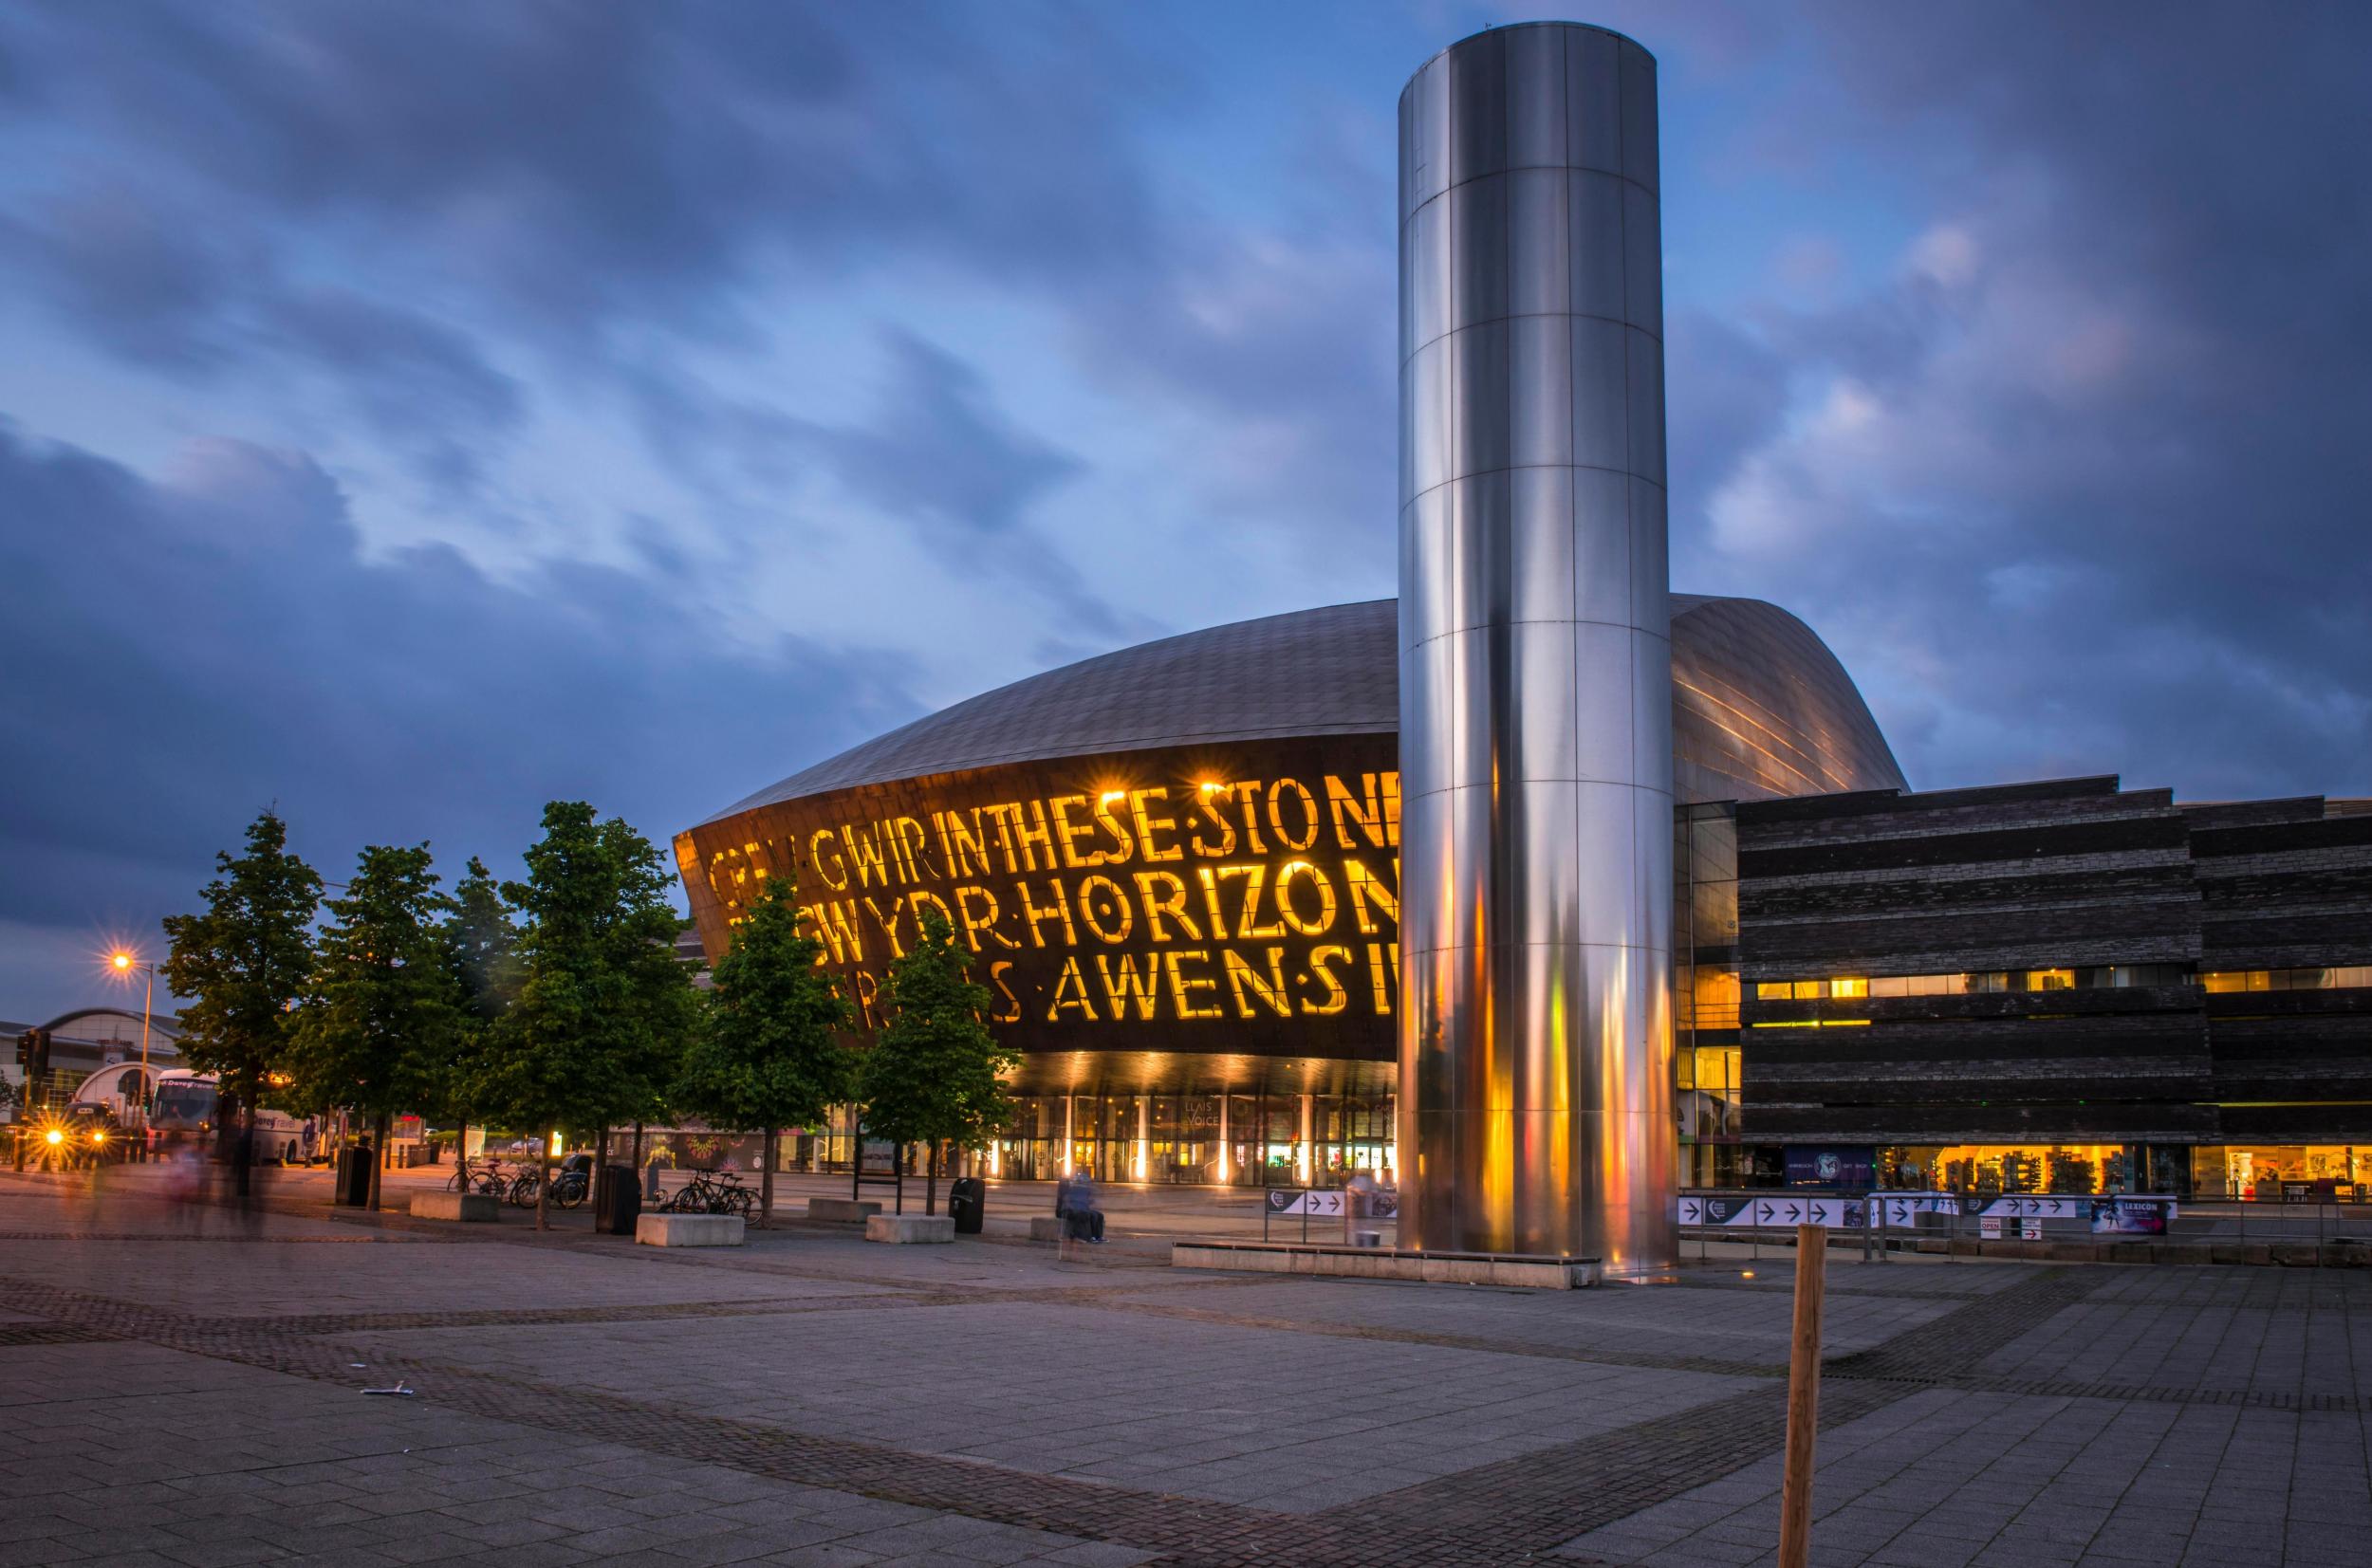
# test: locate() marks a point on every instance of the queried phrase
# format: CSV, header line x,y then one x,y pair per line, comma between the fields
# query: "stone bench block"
x,y
1045,1227
841,1210
688,1230
474,1207
907,1230
1360,1263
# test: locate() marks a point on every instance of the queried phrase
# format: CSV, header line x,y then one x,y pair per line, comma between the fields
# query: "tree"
x,y
383,1011
242,963
603,1008
482,953
935,1073
774,1054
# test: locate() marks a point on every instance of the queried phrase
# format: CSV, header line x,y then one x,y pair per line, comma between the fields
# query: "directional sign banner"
x,y
1298,1200
1900,1211
1767,1213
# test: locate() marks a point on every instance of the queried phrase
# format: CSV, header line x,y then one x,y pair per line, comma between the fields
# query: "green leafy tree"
x,y
603,1011
482,953
243,962
935,1074
774,1053
382,1013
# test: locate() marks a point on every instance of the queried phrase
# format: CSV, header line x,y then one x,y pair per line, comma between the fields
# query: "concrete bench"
x,y
1045,1227
474,1207
907,1230
841,1210
688,1230
1361,1263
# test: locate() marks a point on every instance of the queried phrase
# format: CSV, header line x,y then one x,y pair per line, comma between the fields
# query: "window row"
x,y
2103,976
2288,980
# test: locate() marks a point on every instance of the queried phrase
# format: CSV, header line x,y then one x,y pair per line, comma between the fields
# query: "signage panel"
x,y
1771,1212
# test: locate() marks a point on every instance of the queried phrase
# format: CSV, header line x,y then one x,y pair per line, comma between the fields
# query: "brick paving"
x,y
179,1396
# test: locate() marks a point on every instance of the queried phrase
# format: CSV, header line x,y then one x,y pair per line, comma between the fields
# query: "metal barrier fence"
x,y
1885,1221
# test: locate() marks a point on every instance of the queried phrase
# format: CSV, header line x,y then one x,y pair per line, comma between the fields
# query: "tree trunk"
x,y
244,1151
930,1182
766,1180
378,1155
638,1151
544,1183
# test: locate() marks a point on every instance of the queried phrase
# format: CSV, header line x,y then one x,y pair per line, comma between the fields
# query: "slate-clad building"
x,y
2058,985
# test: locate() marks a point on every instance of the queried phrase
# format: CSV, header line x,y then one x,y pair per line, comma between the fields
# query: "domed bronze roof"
x,y
1760,706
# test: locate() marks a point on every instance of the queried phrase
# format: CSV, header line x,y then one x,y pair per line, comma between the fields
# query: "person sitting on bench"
x,y
1075,1205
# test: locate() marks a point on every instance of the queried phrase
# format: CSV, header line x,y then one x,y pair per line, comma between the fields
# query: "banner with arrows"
x,y
1778,1213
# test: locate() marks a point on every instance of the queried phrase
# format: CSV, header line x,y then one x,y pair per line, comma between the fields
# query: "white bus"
x,y
184,1113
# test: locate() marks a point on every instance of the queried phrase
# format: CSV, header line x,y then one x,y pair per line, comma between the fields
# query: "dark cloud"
x,y
936,448
417,384
587,162
2080,488
932,450
143,277
189,649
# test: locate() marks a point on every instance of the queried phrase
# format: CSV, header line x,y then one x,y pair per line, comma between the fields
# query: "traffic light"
x,y
25,1043
39,1066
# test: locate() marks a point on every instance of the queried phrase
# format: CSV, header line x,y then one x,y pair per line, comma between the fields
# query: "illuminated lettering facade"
x,y
1174,900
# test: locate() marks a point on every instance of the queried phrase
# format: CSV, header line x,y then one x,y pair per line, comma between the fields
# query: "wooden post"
x,y
1795,1496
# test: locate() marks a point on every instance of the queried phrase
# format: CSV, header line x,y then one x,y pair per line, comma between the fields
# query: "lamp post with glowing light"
x,y
123,963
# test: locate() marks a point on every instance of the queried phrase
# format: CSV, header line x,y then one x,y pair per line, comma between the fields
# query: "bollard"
x,y
1795,1494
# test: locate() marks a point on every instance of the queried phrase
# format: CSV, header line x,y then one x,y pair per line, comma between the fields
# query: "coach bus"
x,y
184,1114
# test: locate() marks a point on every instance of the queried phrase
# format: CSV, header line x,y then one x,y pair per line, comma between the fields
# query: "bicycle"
x,y
486,1178
712,1192
572,1185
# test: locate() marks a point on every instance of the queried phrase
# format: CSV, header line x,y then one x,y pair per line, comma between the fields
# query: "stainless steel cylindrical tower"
x,y
1535,1110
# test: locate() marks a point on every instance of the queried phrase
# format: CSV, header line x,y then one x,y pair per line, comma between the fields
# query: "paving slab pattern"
x,y
182,1388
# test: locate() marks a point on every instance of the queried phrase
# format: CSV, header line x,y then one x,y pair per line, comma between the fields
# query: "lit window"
x,y
2050,979
1811,990
1771,990
1848,987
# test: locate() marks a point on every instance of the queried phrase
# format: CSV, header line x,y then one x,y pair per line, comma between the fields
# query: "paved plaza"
x,y
184,1383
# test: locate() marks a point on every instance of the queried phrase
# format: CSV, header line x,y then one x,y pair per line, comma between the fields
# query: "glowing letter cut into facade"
x,y
1535,1036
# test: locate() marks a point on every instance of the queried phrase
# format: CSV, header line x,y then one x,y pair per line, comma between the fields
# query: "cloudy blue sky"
x,y
411,413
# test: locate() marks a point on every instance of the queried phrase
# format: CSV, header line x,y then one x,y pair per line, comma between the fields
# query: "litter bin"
x,y
967,1203
354,1175
617,1200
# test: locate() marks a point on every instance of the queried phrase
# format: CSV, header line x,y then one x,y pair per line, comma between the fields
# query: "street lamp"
x,y
123,963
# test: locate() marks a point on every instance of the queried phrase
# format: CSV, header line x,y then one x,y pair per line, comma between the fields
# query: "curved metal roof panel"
x,y
1760,704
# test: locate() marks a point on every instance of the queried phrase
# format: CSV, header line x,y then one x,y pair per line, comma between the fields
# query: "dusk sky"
x,y
409,413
